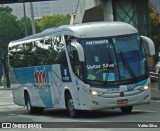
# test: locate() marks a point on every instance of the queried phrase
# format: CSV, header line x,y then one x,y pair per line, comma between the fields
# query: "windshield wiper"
x,y
128,67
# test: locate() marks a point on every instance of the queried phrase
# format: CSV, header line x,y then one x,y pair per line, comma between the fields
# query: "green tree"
x,y
22,27
52,21
9,29
5,9
155,27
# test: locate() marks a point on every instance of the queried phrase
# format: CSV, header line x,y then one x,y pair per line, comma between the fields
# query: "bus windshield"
x,y
114,59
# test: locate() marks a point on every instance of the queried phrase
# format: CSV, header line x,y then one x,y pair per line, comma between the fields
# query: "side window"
x,y
12,56
17,56
77,64
27,55
23,55
74,58
50,53
38,52
42,52
59,48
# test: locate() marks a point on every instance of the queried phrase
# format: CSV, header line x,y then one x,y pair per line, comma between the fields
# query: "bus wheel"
x,y
70,106
127,110
30,109
40,110
158,74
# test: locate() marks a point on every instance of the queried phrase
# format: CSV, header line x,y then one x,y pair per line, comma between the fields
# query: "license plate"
x,y
124,101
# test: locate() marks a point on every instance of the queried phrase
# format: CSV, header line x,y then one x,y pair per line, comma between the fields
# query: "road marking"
x,y
6,97
7,104
11,114
155,101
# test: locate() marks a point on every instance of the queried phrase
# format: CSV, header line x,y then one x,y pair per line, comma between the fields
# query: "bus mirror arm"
x,y
79,49
148,45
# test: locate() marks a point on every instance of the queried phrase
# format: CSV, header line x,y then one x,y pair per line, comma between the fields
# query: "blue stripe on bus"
x,y
141,83
38,77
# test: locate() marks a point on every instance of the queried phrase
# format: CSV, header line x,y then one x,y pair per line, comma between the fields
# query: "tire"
x,y
158,74
39,110
127,110
30,109
70,107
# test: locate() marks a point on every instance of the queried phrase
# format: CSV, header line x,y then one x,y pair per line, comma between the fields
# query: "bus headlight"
x,y
96,93
146,87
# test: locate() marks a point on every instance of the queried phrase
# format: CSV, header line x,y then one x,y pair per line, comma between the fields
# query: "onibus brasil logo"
x,y
40,79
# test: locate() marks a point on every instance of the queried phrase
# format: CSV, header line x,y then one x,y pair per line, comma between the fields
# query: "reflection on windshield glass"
x,y
130,57
114,59
100,60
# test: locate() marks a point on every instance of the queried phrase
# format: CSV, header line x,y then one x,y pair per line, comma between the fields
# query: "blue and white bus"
x,y
89,66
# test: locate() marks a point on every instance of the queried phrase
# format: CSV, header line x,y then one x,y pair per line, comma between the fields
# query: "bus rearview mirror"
x,y
79,49
148,46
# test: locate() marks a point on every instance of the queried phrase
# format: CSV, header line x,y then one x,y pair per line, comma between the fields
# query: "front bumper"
x,y
106,102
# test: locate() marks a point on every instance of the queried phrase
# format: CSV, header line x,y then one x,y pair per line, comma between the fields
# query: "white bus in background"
x,y
89,66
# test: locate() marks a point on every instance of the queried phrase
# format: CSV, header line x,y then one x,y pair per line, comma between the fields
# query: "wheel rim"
x,y
71,107
28,105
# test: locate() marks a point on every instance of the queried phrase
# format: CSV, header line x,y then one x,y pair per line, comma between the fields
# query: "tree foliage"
x,y
9,28
52,21
155,27
22,27
12,29
155,24
8,31
5,9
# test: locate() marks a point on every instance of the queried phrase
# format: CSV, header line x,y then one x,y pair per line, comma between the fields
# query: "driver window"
x,y
76,66
73,56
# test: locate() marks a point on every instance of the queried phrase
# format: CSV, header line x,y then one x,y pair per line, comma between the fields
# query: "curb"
x,y
5,88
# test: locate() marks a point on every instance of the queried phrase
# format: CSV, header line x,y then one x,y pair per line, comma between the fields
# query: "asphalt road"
x,y
9,112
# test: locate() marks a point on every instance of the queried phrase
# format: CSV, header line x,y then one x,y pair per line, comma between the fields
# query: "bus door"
x,y
55,81
79,84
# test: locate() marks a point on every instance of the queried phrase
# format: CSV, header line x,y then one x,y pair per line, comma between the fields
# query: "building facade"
x,y
45,8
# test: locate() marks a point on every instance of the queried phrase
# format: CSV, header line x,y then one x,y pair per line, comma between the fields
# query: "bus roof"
x,y
84,30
